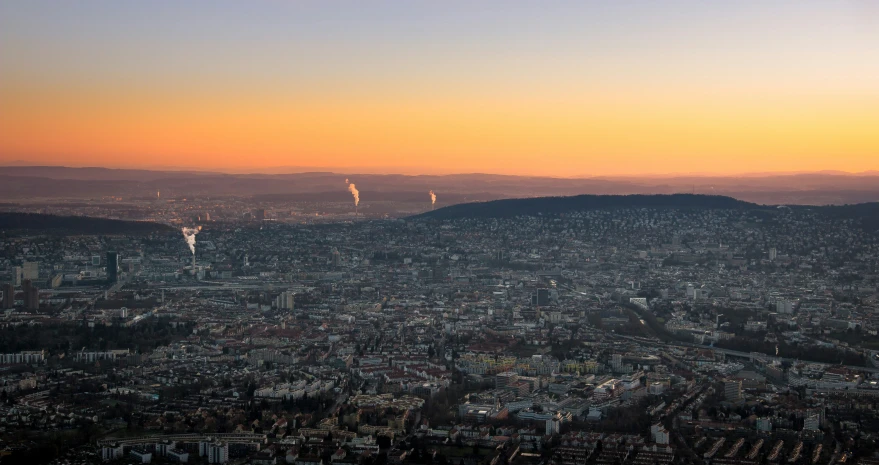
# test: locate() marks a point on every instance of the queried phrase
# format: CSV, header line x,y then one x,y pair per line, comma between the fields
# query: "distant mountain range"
x,y
22,183
31,222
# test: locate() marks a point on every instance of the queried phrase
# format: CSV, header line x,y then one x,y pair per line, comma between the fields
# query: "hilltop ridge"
x,y
14,221
558,205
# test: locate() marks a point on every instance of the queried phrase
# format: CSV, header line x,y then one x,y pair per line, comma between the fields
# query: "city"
x,y
606,335
396,232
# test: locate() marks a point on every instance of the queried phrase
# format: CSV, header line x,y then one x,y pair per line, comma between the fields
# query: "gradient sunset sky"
x,y
515,87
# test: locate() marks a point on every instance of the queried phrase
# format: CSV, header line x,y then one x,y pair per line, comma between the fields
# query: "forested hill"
x,y
559,205
32,222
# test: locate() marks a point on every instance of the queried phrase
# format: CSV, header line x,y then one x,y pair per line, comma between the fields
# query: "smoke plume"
x,y
189,235
356,193
432,198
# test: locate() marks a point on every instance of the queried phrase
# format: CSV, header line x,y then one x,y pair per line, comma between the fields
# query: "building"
x,y
285,300
163,447
218,452
812,422
773,254
540,298
8,296
31,295
23,357
112,267
506,379
732,390
112,452
215,451
553,425
659,433
656,388
178,455
30,270
141,455
764,424
90,357
616,363
784,306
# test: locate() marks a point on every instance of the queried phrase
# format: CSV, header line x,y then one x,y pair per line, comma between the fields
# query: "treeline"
x,y
557,205
12,221
73,337
805,353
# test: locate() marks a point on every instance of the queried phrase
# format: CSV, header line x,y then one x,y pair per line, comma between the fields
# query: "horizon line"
x,y
415,172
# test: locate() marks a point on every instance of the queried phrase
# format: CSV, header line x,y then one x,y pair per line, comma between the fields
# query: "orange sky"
x,y
662,104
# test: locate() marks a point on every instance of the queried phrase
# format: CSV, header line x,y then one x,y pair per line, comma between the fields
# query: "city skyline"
x,y
568,89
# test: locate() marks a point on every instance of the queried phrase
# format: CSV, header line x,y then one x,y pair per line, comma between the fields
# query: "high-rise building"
x,y
215,451
732,389
30,270
8,295
784,306
616,363
112,267
259,214
553,425
540,298
660,433
31,295
772,254
16,276
812,422
285,300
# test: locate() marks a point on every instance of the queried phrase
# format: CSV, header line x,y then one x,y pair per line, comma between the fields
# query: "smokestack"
x,y
193,264
189,236
432,200
355,193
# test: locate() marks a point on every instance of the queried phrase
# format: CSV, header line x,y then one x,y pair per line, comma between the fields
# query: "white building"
x,y
141,455
218,452
28,356
659,433
111,452
178,455
163,447
553,425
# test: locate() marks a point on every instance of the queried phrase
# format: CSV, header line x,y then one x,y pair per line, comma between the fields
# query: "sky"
x,y
559,88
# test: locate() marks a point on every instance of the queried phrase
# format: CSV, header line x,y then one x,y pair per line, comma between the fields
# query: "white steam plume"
x,y
189,235
356,193
432,199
